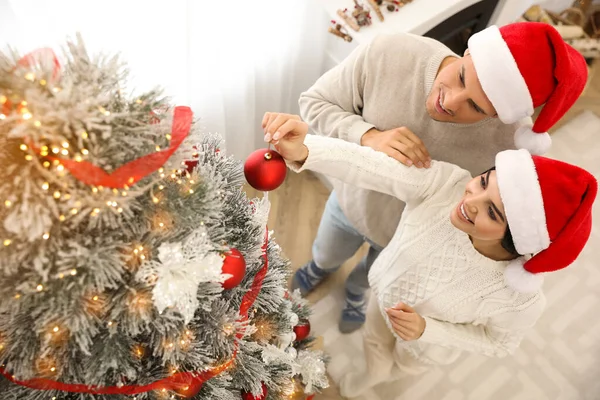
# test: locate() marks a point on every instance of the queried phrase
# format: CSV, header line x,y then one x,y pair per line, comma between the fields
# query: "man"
x,y
413,99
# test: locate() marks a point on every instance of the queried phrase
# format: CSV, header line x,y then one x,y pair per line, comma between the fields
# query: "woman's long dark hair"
x,y
507,242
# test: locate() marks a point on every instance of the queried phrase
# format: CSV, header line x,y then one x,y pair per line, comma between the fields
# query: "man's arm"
x,y
333,105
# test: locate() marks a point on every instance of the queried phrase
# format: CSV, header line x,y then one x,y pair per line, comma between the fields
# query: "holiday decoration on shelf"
x,y
375,6
339,31
361,14
302,330
265,169
348,19
132,264
261,396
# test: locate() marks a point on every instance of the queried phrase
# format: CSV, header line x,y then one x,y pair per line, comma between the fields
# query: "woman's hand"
x,y
406,322
287,133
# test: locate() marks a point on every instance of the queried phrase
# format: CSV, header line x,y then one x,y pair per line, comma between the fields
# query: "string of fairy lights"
x,y
49,156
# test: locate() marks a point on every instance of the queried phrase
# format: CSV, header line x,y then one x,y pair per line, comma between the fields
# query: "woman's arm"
x,y
368,169
499,337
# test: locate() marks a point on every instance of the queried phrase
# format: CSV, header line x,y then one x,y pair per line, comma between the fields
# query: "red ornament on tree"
x,y
265,169
250,396
235,265
302,330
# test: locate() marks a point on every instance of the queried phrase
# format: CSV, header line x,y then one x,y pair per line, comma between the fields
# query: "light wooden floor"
x,y
296,209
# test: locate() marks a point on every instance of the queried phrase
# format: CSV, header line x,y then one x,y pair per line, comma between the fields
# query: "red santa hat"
x,y
522,66
548,206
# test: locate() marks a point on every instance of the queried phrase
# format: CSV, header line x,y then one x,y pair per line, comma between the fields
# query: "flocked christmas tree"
x,y
132,264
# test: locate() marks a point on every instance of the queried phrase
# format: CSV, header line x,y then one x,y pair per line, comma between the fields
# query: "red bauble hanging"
x,y
302,330
234,265
250,396
190,165
265,169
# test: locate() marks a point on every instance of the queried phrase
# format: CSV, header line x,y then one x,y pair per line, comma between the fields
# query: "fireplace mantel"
x,y
418,17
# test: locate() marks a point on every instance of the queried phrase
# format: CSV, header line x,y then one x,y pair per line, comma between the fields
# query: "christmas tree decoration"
x,y
260,396
123,226
235,266
302,330
265,169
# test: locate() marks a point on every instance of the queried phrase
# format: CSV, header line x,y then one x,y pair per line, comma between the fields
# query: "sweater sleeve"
x,y
333,105
499,337
369,169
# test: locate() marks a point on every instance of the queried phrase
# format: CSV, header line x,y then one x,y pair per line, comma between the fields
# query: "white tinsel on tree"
x,y
121,285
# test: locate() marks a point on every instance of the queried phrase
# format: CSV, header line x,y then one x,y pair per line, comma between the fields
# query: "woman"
x,y
455,276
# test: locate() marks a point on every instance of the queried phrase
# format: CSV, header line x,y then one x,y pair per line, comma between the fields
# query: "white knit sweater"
x,y
429,264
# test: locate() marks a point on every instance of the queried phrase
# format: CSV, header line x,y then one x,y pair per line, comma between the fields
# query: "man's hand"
x,y
286,132
406,322
399,143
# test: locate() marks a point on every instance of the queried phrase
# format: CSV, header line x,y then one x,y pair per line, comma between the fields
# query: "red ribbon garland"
x,y
137,169
131,172
34,57
187,384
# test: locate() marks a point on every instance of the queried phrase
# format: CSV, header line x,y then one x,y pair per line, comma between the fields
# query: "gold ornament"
x,y
297,390
265,329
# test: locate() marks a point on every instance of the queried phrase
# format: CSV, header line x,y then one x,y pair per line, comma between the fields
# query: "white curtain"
x,y
229,60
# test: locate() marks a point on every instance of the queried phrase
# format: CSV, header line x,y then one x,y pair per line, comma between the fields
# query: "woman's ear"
x,y
467,52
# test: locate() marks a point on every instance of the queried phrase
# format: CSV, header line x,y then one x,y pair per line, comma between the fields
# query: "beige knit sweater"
x,y
429,264
384,85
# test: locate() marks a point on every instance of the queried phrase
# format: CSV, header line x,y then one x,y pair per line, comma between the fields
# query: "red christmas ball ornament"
x,y
234,265
190,165
250,396
265,169
302,330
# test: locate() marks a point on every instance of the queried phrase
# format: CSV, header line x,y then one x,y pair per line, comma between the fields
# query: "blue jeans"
x,y
337,240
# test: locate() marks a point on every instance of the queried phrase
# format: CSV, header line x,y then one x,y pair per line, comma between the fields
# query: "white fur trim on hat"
x,y
523,202
536,143
499,75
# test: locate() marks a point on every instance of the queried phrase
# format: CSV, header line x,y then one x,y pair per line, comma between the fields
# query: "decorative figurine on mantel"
x,y
361,14
348,19
340,31
392,5
375,5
